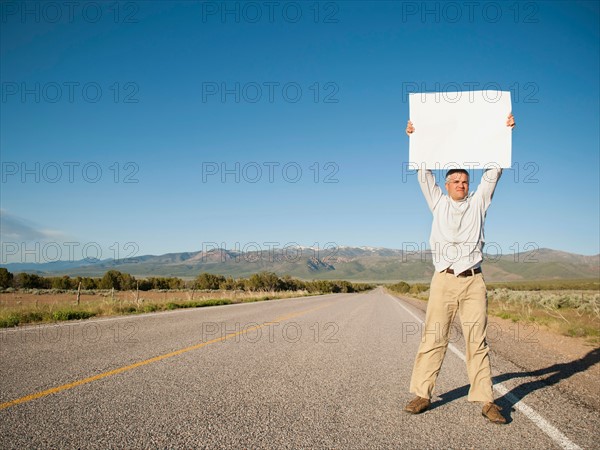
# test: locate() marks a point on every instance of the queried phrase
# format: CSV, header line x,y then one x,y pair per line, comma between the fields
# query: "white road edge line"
x,y
554,433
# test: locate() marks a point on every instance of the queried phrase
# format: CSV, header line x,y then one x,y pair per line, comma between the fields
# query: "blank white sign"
x,y
460,129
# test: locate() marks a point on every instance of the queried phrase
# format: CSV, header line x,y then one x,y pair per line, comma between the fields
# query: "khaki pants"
x,y
448,294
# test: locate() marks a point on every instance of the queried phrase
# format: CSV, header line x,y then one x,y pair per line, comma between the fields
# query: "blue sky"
x,y
116,123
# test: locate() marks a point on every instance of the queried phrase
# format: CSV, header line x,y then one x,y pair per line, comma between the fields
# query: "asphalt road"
x,y
314,372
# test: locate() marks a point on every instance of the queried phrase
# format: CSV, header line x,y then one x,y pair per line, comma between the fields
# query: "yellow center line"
x,y
99,376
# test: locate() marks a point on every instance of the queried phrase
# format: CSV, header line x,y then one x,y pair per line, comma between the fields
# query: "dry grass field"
x,y
570,312
38,305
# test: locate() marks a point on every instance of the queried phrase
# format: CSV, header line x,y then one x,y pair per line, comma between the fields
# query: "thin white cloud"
x,y
25,241
15,228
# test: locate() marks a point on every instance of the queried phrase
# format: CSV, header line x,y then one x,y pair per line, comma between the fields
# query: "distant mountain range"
x,y
348,263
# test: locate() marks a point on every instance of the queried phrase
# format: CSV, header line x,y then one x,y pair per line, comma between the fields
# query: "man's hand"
x,y
410,129
510,121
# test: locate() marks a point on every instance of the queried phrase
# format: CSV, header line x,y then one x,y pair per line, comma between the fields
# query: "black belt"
x,y
466,273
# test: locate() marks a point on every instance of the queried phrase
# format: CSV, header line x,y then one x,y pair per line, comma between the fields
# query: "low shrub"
x,y
70,314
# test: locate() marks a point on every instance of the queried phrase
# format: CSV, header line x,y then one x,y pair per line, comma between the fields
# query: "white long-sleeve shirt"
x,y
457,236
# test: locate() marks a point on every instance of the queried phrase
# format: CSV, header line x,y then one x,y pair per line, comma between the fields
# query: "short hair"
x,y
453,171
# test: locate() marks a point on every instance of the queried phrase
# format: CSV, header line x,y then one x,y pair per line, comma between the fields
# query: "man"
x,y
456,241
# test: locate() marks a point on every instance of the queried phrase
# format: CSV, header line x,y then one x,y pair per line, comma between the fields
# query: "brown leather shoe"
x,y
491,411
418,405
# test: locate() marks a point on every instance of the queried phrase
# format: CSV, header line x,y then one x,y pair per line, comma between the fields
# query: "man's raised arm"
x,y
431,191
486,188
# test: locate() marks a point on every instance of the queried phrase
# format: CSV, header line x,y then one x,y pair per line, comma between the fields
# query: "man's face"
x,y
458,186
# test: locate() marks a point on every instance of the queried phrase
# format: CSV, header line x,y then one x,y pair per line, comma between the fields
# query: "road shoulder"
x,y
570,364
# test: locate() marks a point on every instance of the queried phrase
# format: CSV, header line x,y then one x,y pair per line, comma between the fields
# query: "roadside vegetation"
x,y
569,307
30,298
